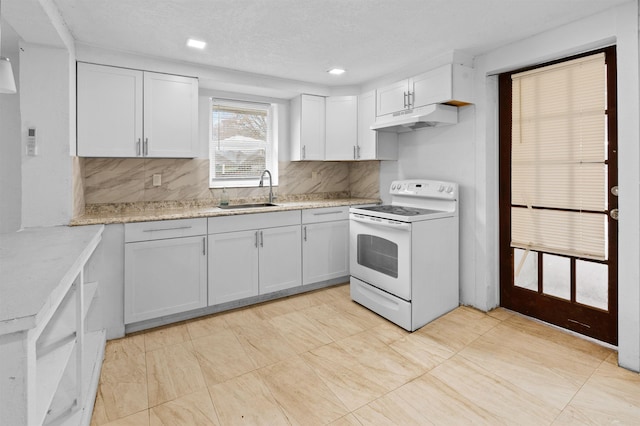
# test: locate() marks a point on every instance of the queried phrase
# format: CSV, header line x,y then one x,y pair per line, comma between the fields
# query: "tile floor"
x,y
318,358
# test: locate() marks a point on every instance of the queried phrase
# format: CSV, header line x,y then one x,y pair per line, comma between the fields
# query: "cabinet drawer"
x,y
244,222
161,229
325,214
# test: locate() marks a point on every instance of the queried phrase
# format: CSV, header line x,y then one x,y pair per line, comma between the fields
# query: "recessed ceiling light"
x,y
196,43
336,71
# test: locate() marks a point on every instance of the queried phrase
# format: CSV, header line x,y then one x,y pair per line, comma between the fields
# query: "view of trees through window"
x,y
240,146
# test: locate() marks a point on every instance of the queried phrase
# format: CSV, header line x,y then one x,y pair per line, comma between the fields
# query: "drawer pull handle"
x,y
167,229
326,213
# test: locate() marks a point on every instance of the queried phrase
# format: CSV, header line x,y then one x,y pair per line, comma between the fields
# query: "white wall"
x,y
45,96
10,174
619,25
468,154
444,153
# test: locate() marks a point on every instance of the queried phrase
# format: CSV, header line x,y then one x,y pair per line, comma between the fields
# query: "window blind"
x,y
558,158
240,146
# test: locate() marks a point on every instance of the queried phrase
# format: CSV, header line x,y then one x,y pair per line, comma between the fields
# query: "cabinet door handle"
x,y
304,152
410,99
404,99
256,243
146,146
354,152
204,246
261,239
326,213
305,233
358,152
167,229
138,148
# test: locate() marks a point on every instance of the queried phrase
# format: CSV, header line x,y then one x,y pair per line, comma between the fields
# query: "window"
x,y
243,143
559,158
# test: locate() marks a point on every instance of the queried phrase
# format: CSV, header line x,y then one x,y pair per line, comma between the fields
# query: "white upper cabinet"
x,y
341,128
109,111
392,98
170,115
132,113
373,145
307,128
448,84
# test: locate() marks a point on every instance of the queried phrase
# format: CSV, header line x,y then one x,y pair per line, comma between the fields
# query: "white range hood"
x,y
417,118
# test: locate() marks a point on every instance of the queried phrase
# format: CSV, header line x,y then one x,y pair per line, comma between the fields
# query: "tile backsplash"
x,y
129,180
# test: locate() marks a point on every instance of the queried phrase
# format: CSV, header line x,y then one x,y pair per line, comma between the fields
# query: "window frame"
x,y
272,140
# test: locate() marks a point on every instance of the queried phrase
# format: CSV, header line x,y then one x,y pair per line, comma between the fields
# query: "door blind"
x,y
559,158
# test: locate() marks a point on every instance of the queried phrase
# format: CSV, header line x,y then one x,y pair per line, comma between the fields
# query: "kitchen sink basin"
x,y
247,206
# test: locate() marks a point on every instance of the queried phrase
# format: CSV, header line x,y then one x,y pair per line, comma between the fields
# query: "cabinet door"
x,y
170,116
341,128
280,258
164,277
392,98
109,109
373,145
366,117
325,251
432,87
233,266
312,127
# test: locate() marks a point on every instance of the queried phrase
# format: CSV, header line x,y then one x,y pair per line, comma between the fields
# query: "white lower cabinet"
x,y
165,268
253,254
325,245
280,258
233,262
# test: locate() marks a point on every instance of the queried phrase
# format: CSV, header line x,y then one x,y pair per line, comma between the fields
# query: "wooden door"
x,y
542,275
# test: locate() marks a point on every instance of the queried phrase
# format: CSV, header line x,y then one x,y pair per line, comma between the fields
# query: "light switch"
x,y
157,180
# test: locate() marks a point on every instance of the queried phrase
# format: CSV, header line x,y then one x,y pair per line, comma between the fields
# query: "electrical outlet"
x,y
157,180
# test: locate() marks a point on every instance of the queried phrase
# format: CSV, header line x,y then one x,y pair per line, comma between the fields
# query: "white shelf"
x,y
63,323
60,413
49,371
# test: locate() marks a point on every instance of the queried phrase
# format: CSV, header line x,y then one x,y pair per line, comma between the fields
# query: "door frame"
x,y
599,324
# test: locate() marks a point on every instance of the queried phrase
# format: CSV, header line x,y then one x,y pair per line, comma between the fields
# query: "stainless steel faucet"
x,y
261,184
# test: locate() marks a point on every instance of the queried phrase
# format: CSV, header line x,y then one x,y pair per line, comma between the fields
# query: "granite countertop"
x,y
38,265
143,213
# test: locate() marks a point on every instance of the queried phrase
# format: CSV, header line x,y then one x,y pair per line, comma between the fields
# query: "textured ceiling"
x,y
301,39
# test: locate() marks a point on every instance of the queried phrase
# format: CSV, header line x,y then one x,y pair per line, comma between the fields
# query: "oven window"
x,y
378,254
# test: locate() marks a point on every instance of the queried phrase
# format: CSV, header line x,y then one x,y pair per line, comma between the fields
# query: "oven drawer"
x,y
384,304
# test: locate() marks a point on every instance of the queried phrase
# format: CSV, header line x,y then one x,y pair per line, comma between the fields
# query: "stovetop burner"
x,y
399,210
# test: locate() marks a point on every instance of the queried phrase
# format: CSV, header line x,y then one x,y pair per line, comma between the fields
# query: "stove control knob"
x,y
441,188
450,189
393,187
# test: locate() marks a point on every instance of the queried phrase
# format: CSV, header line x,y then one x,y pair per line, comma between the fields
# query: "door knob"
x,y
614,190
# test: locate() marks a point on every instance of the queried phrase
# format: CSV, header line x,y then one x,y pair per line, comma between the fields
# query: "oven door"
x,y
380,253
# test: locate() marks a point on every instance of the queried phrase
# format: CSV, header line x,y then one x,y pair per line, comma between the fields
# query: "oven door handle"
x,y
400,226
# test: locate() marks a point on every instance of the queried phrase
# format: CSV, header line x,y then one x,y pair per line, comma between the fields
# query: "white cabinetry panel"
x,y
170,115
166,274
233,262
373,145
341,128
109,111
280,258
392,98
307,128
325,251
133,113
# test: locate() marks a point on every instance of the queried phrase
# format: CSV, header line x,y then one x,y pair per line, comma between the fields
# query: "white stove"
x,y
404,255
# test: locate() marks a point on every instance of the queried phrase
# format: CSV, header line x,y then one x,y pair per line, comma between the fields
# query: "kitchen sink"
x,y
247,206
